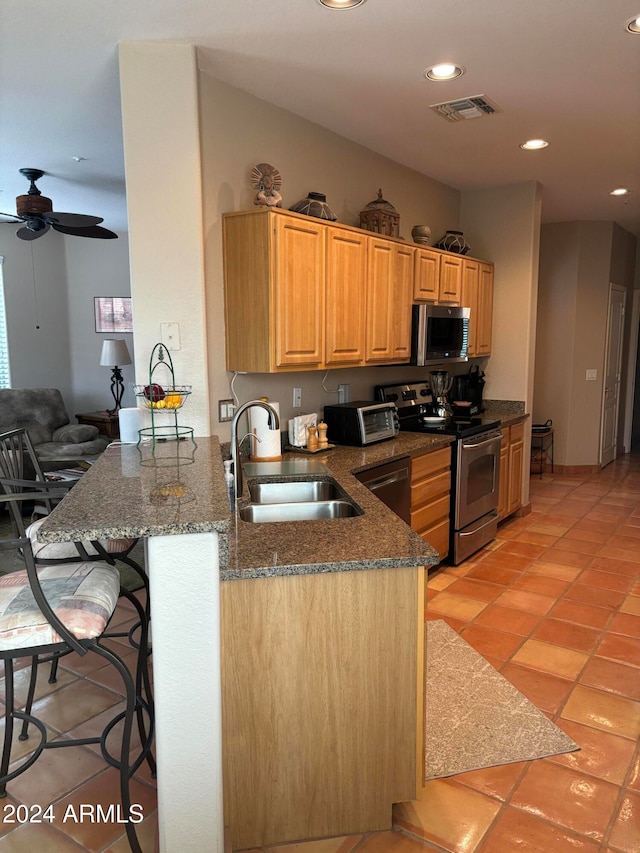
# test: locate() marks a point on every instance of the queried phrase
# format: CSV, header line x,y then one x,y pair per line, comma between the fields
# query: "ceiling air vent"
x,y
465,108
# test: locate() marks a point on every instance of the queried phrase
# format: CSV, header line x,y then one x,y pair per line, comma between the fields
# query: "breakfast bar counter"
x,y
175,497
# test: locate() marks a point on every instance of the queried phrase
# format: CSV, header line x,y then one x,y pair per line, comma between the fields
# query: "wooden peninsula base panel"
x,y
322,709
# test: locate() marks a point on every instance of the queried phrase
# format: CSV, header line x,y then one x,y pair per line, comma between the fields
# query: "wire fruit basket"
x,y
161,395
156,396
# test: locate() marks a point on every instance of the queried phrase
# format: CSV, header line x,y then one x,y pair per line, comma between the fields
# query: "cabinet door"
x,y
450,279
298,297
485,310
401,303
516,460
470,287
503,490
345,298
426,279
389,291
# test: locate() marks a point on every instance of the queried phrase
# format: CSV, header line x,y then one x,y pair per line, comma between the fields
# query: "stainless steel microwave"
x,y
439,333
360,422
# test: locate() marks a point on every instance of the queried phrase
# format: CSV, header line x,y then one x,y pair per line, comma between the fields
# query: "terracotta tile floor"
x,y
554,604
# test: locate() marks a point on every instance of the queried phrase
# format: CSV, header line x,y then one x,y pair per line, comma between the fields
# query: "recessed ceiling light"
x,y
534,144
444,71
633,25
620,191
341,4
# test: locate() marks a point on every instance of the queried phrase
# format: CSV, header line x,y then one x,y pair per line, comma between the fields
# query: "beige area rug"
x,y
474,717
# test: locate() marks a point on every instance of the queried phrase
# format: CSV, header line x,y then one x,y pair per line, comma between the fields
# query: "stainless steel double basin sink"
x,y
297,500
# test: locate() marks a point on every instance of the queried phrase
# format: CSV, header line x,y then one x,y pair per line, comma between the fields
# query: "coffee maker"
x,y
440,386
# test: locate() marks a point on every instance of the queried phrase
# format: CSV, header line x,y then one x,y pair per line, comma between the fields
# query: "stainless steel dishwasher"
x,y
391,483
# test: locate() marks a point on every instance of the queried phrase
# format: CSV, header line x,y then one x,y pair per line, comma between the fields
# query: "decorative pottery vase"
x,y
453,241
315,204
420,234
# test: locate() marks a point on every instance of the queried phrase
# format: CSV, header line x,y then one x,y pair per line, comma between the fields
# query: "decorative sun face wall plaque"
x,y
267,180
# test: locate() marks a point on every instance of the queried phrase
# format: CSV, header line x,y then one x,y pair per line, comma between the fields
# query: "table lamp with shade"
x,y
115,353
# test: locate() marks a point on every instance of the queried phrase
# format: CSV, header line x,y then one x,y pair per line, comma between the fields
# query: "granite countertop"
x,y
375,540
130,492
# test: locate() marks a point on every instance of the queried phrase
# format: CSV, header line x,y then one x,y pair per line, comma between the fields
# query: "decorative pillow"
x,y
76,433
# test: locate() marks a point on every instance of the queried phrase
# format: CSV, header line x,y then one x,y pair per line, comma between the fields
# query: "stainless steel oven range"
x,y
475,464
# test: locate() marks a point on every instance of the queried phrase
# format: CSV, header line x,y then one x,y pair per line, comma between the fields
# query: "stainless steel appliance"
x,y
475,464
392,484
439,333
440,387
360,422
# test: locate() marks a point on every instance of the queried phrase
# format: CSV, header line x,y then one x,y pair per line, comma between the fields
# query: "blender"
x,y
440,386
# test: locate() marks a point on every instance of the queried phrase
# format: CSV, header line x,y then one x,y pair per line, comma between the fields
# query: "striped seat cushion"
x,y
67,550
82,595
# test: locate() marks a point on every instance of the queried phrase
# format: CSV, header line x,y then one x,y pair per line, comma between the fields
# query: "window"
x,y
5,378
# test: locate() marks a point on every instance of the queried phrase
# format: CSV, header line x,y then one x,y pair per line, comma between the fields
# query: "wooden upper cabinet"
x,y
274,269
477,294
401,305
299,292
485,310
389,293
345,302
470,286
450,279
426,279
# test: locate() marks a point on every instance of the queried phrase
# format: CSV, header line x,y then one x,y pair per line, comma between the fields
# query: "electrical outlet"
x,y
226,410
592,375
297,398
344,393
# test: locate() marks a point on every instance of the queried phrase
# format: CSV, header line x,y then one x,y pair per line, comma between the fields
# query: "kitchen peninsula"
x,y
321,646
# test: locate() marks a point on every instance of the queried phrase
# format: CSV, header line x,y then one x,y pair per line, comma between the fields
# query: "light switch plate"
x,y
170,335
592,375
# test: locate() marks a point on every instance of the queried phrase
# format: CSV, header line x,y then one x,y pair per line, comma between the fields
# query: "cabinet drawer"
x,y
517,432
432,487
438,537
429,463
505,437
434,512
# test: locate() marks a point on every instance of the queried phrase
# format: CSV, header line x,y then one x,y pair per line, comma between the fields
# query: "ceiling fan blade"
x,y
12,218
71,220
28,234
89,231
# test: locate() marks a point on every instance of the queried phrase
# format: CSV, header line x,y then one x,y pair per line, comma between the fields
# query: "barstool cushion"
x,y
82,595
67,550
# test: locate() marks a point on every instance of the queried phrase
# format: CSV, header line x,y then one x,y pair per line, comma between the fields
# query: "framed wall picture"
x,y
113,313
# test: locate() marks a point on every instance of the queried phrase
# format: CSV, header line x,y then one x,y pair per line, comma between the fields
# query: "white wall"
x,y
164,201
238,131
502,224
49,288
578,261
36,304
94,268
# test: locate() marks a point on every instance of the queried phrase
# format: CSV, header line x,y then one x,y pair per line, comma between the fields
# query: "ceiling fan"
x,y
35,210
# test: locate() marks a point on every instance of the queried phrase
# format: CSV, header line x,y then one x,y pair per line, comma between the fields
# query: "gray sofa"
x,y
41,411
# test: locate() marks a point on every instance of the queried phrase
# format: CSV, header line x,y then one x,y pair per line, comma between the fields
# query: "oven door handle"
x,y
470,443
490,520
386,480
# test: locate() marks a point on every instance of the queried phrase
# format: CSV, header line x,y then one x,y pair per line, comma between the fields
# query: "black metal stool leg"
x,y
24,734
8,725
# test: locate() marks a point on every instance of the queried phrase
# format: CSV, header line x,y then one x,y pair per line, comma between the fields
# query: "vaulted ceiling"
x,y
568,72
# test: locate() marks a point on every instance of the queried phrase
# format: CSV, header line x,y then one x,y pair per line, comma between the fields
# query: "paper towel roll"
x,y
130,421
269,448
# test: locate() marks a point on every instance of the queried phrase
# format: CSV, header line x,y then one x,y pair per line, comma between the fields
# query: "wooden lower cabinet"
x,y
430,498
511,467
322,686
